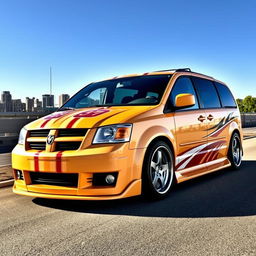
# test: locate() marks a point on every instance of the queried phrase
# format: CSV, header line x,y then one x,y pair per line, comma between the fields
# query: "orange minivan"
x,y
130,135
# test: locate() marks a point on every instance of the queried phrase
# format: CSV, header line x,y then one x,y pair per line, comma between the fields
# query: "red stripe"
x,y
36,161
213,152
181,162
215,155
196,159
72,122
44,123
58,161
191,149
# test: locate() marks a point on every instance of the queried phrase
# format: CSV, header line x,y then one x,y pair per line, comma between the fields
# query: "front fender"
x,y
142,137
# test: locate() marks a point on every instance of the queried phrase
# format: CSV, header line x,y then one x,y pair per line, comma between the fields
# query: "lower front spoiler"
x,y
134,189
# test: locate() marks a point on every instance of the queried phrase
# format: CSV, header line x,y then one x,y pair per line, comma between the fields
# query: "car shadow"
x,y
224,193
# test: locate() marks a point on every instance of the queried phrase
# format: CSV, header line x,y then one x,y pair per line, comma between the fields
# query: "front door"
x,y
191,132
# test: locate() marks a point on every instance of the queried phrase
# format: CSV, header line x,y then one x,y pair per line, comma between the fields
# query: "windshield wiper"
x,y
66,108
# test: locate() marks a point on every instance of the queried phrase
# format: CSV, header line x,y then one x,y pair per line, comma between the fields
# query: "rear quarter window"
x,y
226,97
207,93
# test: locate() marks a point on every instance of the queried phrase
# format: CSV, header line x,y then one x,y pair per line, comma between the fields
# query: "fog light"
x,y
104,179
110,179
19,175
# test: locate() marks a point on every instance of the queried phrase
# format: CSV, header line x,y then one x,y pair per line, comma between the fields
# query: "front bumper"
x,y
95,159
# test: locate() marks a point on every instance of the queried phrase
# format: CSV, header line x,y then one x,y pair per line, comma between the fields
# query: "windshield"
x,y
134,91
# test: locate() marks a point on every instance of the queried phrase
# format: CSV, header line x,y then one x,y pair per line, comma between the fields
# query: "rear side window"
x,y
207,93
183,85
227,99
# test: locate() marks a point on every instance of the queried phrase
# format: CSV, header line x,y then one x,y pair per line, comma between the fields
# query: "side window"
x,y
183,85
207,93
226,97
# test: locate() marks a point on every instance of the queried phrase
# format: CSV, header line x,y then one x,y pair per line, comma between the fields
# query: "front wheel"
x,y
235,151
158,171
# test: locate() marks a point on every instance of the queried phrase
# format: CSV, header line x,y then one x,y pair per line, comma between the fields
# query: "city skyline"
x,y
31,104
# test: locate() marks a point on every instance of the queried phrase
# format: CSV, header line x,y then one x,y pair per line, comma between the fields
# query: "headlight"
x,y
113,134
22,136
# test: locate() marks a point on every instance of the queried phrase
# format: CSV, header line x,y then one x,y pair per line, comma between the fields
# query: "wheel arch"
x,y
164,139
236,130
156,139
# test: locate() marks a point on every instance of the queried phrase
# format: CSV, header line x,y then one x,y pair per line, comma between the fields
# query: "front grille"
x,y
39,133
35,139
72,132
72,145
55,179
37,145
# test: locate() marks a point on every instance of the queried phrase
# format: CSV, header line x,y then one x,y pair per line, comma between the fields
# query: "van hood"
x,y
89,117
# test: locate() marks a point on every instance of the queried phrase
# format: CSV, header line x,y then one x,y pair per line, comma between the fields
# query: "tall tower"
x,y
50,80
6,99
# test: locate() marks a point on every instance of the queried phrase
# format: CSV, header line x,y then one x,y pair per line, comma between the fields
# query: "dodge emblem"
x,y
50,139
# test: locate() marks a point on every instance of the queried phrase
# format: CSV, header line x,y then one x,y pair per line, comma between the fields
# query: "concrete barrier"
x,y
11,123
248,119
10,126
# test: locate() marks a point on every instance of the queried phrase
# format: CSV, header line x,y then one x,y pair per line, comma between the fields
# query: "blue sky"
x,y
85,41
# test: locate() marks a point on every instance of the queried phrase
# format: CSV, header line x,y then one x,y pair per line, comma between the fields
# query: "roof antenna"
x,y
50,80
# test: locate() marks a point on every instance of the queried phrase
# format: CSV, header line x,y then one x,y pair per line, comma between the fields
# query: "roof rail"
x,y
183,70
176,70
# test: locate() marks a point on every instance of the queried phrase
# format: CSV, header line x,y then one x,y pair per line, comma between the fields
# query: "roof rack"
x,y
183,70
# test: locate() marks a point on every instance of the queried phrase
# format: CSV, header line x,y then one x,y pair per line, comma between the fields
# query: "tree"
x,y
240,105
247,105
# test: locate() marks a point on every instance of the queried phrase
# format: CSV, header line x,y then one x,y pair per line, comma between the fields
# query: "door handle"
x,y
210,117
201,118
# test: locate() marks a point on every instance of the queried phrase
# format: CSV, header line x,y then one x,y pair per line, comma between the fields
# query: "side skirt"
x,y
202,169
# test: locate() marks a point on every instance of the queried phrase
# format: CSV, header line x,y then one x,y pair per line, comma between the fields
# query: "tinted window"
x,y
138,90
226,97
207,93
183,85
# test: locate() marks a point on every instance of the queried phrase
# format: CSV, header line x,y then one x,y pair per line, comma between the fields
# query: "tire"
x,y
158,175
235,151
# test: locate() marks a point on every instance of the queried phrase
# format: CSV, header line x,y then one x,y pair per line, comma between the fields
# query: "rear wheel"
x,y
235,151
158,171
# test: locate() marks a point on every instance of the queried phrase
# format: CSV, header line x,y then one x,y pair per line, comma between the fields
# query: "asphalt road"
x,y
211,215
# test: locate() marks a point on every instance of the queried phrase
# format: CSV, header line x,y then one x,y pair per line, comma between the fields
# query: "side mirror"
x,y
184,100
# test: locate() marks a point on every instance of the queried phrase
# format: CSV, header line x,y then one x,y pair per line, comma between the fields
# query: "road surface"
x,y
211,215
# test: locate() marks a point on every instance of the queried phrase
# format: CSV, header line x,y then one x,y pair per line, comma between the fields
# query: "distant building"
x,y
1,107
17,105
23,107
63,98
6,100
38,105
30,104
48,101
